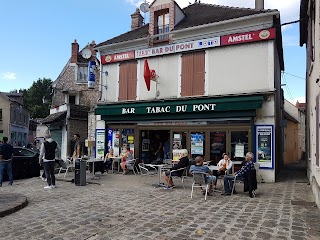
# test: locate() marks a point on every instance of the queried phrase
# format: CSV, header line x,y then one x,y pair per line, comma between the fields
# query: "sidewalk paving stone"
x,y
122,207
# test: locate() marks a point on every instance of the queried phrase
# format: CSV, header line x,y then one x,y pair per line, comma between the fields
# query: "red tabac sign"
x,y
117,57
248,37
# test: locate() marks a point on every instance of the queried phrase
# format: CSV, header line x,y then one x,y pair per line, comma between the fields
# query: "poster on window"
x,y
264,145
100,142
197,143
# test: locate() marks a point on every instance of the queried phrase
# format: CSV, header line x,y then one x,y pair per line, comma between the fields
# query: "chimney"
x,y
93,52
74,51
137,20
259,5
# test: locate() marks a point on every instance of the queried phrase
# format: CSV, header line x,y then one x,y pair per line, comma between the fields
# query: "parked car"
x,y
24,164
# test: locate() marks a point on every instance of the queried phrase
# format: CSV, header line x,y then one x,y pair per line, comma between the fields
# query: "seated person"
x,y
125,156
229,179
199,167
225,164
183,162
108,160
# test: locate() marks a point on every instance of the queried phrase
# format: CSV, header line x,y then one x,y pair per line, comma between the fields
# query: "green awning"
x,y
204,108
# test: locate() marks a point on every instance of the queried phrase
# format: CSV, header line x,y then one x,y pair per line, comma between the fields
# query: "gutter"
x,y
224,22
120,43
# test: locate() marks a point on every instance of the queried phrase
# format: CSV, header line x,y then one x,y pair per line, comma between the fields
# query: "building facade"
x,y
73,101
309,36
214,89
14,119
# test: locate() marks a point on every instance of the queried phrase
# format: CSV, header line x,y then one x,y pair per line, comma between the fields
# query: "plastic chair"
x,y
221,177
146,172
199,180
65,166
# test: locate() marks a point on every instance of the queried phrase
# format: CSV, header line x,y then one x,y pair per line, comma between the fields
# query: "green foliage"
x,y
33,98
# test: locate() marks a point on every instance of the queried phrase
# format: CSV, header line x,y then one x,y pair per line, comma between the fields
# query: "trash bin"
x,y
80,172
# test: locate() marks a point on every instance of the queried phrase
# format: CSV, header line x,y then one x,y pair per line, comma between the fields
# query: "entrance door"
x,y
218,146
239,145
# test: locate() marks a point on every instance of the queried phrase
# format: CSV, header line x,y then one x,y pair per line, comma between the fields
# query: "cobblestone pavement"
x,y
121,207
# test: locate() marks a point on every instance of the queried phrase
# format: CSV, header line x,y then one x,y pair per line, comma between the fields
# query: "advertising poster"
x,y
264,145
109,139
100,143
116,143
197,143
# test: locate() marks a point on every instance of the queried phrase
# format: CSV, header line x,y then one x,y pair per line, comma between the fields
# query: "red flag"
x,y
147,75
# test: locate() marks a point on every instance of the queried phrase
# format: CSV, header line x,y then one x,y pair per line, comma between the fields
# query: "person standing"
x,y
77,146
6,154
48,151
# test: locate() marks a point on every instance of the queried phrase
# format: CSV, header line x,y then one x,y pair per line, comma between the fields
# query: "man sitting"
x,y
229,179
203,169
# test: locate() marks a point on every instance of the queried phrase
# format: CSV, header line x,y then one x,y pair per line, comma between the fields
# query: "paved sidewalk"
x,y
120,207
11,202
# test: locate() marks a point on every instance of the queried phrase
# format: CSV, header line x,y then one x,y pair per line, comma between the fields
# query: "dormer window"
x,y
162,25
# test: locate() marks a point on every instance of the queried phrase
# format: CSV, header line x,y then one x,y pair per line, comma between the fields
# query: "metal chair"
x,y
146,172
221,177
199,180
131,165
183,176
65,166
168,162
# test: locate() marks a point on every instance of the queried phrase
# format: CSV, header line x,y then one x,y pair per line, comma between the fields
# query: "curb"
x,y
20,203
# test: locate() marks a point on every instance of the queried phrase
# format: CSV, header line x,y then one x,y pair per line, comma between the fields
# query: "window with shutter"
x,y
192,73
127,81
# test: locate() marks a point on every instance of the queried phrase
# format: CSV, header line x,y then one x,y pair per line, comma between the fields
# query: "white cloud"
x,y
135,3
9,76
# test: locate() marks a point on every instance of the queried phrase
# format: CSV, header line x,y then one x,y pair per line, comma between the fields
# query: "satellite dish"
x,y
144,7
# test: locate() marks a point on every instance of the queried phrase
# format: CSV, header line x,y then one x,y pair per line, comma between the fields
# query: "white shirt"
x,y
227,162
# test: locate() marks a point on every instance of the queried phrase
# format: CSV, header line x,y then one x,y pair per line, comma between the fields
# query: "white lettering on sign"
x,y
121,56
182,108
158,109
128,110
239,38
204,107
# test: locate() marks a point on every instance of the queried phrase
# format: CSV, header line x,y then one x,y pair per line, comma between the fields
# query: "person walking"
x,y
6,154
48,151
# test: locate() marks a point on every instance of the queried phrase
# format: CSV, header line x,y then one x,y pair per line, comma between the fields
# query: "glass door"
x,y
239,145
218,146
179,141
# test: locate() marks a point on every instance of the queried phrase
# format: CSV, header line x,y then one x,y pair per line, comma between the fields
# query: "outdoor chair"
x,y
221,178
145,172
168,163
131,165
183,176
65,166
199,181
117,162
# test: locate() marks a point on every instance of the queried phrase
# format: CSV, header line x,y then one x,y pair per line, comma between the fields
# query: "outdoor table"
x,y
94,160
214,168
115,160
160,167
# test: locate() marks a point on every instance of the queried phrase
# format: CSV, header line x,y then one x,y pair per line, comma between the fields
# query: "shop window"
x,y
239,145
217,146
128,81
162,25
128,140
193,74
197,144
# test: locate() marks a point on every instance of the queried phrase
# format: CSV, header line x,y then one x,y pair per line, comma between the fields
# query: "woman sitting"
x,y
108,160
125,156
225,164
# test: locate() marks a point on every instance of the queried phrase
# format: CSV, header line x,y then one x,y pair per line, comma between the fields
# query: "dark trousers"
x,y
228,182
49,170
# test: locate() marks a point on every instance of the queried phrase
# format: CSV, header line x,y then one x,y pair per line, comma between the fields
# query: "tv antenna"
x,y
144,7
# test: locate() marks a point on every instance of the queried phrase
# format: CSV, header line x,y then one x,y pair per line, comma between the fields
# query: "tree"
x,y
34,97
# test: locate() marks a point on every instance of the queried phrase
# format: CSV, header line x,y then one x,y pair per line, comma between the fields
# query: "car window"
x,y
23,152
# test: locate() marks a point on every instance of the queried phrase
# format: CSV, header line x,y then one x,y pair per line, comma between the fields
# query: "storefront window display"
x,y
217,146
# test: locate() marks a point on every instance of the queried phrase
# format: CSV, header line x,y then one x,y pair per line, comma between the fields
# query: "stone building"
x,y
73,101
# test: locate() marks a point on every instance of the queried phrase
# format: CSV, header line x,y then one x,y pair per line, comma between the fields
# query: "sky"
x,y
36,36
